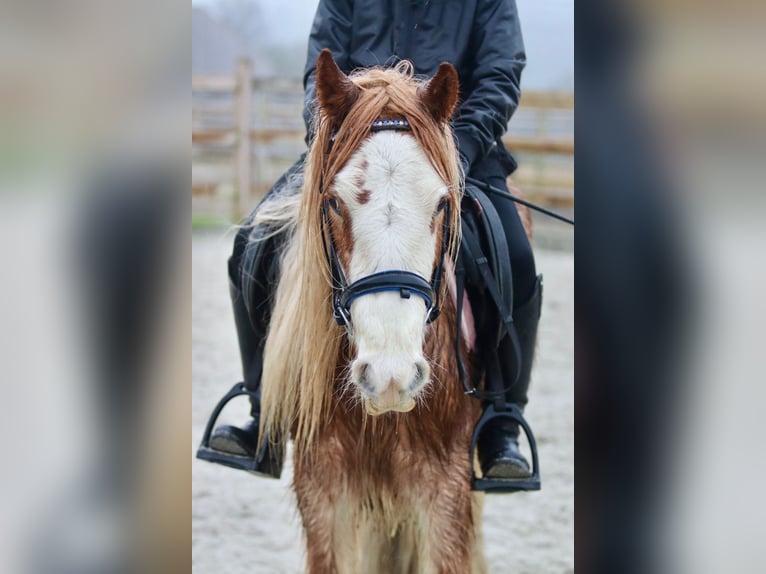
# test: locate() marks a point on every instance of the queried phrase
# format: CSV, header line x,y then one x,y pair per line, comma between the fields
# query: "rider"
x,y
482,39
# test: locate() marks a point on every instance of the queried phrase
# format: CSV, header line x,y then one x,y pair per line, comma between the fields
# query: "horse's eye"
x,y
441,206
334,205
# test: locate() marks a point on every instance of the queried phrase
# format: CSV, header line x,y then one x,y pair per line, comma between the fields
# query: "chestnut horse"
x,y
380,423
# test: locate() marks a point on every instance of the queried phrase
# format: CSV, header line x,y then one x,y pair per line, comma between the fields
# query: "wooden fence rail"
x,y
258,124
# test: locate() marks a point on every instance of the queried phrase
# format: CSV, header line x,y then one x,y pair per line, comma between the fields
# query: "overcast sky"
x,y
547,25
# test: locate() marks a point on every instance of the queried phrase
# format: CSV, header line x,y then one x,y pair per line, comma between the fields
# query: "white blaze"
x,y
391,229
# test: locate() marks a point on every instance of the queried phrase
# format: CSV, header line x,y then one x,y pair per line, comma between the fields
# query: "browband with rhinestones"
x,y
390,124
397,124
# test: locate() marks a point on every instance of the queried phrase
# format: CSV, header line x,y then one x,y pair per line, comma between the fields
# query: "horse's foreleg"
x,y
318,516
451,533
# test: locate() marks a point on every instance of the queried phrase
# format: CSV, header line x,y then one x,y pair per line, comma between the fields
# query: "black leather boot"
x,y
253,276
236,446
234,440
499,452
498,445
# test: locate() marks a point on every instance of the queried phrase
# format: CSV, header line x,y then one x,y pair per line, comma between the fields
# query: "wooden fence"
x,y
247,131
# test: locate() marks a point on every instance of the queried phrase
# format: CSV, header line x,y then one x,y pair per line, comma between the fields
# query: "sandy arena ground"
x,y
243,524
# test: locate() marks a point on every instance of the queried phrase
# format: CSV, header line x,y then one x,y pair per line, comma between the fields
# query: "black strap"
x,y
338,277
473,259
484,276
497,252
405,282
459,293
494,379
505,195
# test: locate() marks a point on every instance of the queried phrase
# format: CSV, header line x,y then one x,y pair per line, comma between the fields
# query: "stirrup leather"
x,y
268,460
502,485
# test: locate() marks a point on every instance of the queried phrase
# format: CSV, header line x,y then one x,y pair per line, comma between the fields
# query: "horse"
x,y
379,420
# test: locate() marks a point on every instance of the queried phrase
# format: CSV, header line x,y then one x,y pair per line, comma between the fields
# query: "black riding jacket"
x,y
481,38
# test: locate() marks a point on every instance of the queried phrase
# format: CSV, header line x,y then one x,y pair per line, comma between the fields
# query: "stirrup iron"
x,y
268,460
502,485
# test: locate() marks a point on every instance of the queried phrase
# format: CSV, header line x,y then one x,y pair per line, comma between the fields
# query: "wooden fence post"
x,y
244,151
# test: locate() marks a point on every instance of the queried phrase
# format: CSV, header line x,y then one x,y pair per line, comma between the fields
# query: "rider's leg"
x,y
498,447
519,247
253,270
228,438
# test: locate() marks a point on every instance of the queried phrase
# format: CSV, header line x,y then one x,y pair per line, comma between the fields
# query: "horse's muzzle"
x,y
389,386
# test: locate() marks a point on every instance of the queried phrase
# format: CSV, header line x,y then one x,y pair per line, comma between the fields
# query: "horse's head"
x,y
387,207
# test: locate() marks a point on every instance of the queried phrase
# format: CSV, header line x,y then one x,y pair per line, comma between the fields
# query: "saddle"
x,y
483,269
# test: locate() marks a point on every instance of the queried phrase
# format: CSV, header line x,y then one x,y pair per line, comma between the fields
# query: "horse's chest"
x,y
386,460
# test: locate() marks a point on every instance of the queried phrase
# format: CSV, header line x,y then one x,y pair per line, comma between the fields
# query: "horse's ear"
x,y
335,91
439,94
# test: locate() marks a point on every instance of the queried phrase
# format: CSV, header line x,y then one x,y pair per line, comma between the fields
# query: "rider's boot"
x,y
237,446
498,445
253,276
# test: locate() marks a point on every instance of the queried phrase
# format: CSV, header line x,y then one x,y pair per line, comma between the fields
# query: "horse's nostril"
x,y
421,375
363,376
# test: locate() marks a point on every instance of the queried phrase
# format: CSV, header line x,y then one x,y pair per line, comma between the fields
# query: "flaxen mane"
x,y
304,345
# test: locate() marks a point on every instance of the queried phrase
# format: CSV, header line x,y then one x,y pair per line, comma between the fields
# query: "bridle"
x,y
406,283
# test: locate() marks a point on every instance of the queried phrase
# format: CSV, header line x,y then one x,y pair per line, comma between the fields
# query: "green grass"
x,y
208,222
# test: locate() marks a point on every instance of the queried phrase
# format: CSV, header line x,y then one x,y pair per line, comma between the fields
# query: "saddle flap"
x,y
483,242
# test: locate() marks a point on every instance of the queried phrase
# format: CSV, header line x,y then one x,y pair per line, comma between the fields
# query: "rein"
x,y
406,283
505,195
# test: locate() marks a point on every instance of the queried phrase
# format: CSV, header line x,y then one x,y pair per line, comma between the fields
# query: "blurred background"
x,y
94,300
671,134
